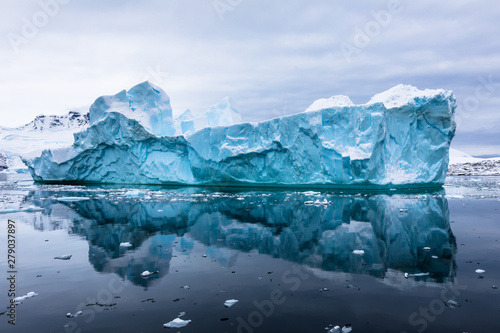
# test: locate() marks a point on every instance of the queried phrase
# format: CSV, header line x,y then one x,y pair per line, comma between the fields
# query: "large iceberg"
x,y
400,138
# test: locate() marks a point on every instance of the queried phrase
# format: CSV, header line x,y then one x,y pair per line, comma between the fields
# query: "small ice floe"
x,y
310,193
359,252
454,196
309,203
434,257
73,315
160,210
125,244
480,271
451,304
338,329
427,248
407,275
323,290
134,193
230,302
181,314
147,274
185,287
403,210
176,323
64,257
494,287
20,299
30,209
71,199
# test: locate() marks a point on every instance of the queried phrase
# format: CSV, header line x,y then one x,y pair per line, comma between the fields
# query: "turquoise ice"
x,y
400,138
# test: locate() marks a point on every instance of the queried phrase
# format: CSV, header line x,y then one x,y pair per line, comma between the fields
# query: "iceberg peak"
x,y
402,95
332,102
145,102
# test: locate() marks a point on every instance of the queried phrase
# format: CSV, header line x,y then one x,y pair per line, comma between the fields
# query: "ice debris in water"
x,y
146,274
359,252
230,302
338,329
125,244
452,304
134,194
64,257
73,315
480,271
30,209
407,275
20,299
71,199
176,323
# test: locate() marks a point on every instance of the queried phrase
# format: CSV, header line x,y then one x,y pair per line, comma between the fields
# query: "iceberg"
x,y
221,114
400,138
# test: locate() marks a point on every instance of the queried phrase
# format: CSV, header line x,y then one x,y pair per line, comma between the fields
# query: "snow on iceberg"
x,y
400,138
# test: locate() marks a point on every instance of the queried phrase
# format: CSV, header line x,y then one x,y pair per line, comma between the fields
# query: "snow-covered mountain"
x,y
73,119
43,132
463,164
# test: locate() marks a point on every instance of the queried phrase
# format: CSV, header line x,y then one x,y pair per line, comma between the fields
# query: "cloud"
x,y
273,58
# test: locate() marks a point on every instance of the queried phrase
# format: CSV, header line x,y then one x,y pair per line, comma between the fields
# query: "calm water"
x,y
292,259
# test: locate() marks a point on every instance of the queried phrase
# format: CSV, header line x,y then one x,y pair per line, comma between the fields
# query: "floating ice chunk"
x,y
454,196
427,248
309,203
73,315
480,271
71,199
185,287
323,290
452,304
30,209
434,257
359,252
147,274
311,193
20,299
125,244
230,302
415,275
64,257
176,323
338,329
134,193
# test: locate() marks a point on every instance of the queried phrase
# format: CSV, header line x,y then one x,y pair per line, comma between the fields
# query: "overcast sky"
x,y
271,57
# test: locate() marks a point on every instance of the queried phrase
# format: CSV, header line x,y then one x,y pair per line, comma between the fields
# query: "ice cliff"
x,y
400,138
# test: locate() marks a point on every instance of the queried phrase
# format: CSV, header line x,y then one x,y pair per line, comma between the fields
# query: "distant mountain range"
x,y
42,133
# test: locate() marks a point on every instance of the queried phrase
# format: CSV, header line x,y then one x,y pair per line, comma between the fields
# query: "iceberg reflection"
x,y
403,232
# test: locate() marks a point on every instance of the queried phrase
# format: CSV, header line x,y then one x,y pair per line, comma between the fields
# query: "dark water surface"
x,y
291,258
